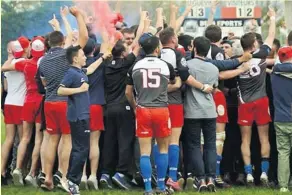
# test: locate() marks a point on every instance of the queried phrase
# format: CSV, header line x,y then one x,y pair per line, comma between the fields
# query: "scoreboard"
x,y
234,15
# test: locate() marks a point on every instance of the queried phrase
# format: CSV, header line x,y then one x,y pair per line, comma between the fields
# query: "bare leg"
x,y
245,145
7,146
94,151
36,150
50,158
26,136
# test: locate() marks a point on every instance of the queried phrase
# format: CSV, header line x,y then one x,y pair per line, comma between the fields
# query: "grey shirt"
x,y
150,77
252,84
197,104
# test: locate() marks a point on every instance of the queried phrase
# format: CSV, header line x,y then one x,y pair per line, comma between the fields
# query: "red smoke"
x,y
104,18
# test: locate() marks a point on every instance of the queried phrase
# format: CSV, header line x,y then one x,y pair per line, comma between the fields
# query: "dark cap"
x,y
89,47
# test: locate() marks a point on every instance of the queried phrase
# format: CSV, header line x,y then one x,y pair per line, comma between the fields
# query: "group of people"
x,y
154,104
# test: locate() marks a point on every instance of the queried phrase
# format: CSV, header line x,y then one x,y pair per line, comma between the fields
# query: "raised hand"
x,y
64,11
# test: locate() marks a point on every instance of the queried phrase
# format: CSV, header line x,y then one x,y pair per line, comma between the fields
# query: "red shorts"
x,y
12,114
221,108
176,115
29,112
96,118
56,120
152,122
257,110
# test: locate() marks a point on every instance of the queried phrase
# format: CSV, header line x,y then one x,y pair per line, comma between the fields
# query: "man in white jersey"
x,y
16,92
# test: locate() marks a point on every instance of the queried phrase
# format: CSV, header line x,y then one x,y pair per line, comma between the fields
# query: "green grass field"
x,y
11,190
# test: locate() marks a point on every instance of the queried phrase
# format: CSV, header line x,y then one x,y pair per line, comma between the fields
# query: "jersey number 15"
x,y
151,78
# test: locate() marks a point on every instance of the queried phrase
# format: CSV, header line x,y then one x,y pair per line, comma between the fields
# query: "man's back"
x,y
115,79
53,67
198,104
150,77
251,84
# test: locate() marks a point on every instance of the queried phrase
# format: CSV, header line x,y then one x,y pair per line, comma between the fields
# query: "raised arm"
x,y
118,7
64,12
212,13
143,16
55,23
180,20
272,29
92,67
173,14
83,33
159,13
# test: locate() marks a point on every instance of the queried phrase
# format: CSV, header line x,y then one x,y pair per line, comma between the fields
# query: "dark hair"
x,y
71,52
166,34
277,44
185,41
97,49
247,41
127,31
135,29
150,44
56,38
89,47
47,44
259,38
202,45
227,42
118,49
290,39
213,33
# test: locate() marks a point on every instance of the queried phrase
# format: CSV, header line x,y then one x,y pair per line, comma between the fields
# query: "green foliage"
x,y
26,18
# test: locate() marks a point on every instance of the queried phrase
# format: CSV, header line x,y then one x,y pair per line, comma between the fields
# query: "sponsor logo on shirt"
x,y
219,56
183,62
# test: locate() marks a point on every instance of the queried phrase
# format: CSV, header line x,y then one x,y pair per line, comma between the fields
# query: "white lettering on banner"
x,y
228,3
223,23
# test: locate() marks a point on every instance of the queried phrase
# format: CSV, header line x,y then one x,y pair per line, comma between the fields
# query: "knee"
x,y
220,138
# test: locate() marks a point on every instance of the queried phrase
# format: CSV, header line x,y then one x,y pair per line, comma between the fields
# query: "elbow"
x,y
221,77
60,92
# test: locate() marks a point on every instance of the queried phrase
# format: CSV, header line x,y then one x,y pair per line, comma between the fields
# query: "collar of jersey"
x,y
55,49
151,56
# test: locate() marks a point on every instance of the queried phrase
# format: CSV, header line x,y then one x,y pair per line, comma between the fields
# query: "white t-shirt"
x,y
16,87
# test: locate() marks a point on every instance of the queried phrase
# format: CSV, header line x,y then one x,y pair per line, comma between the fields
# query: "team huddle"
x,y
149,106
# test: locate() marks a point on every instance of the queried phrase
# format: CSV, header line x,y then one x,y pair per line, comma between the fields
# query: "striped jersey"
x,y
53,67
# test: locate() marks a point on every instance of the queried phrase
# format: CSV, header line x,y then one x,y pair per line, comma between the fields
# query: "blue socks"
x,y
248,169
173,152
162,165
155,153
265,165
146,171
219,158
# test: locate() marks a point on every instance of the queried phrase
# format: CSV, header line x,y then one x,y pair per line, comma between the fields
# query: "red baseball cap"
x,y
24,42
285,53
17,50
19,45
38,46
